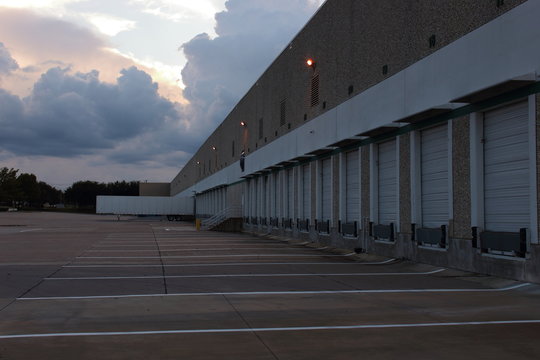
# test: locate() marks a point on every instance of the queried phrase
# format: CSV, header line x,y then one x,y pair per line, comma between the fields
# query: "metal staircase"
x,y
222,216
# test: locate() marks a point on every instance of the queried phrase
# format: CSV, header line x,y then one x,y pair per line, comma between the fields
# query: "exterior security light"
x,y
310,62
242,123
214,148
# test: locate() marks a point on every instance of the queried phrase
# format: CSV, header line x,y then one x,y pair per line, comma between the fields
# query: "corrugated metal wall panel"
x,y
506,168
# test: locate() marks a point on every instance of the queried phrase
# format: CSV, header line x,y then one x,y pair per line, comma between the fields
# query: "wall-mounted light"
x,y
214,148
242,123
198,163
311,63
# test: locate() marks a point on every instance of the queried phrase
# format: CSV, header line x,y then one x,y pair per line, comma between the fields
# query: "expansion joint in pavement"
x,y
161,261
250,327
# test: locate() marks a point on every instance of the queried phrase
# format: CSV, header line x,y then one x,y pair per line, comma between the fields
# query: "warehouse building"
x,y
400,128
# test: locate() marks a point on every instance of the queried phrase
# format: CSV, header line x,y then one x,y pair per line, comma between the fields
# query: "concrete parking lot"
x,y
92,287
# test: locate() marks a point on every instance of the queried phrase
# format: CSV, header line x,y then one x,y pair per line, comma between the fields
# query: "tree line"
x,y
25,191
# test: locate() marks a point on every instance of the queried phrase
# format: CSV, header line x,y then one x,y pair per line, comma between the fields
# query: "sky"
x,y
111,90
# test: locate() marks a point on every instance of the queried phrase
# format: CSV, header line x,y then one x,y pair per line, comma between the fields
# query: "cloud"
x,y
220,70
179,10
70,115
110,25
40,42
7,63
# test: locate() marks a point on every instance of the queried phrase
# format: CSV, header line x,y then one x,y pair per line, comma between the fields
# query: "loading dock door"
x,y
326,188
434,171
506,168
352,187
306,191
290,185
387,184
254,202
275,195
264,198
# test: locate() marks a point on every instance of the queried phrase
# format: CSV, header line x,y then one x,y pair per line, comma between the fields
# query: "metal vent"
x,y
282,113
315,90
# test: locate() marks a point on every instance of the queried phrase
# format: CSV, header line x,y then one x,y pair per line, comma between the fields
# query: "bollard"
x,y
198,224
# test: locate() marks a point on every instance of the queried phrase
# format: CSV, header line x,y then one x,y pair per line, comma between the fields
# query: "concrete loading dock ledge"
x,y
92,287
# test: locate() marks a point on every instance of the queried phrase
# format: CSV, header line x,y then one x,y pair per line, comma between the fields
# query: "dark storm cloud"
x,y
7,63
220,70
68,115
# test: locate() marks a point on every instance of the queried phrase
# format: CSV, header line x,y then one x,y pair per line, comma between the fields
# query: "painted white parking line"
x,y
262,246
226,264
194,249
209,256
267,293
30,230
239,275
182,243
253,330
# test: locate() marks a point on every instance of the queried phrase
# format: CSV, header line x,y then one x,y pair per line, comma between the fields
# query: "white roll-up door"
x,y
434,175
275,194
326,188
306,191
352,187
506,168
254,191
264,196
290,185
387,184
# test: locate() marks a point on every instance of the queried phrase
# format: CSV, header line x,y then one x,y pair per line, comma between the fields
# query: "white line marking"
x,y
291,328
239,275
214,249
227,264
255,293
207,256
262,246
322,248
24,231
181,243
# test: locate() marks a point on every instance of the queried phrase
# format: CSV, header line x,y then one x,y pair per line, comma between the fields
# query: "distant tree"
x,y
9,187
123,188
49,194
29,188
83,193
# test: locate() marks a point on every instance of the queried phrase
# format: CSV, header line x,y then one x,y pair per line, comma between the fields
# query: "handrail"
x,y
218,218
